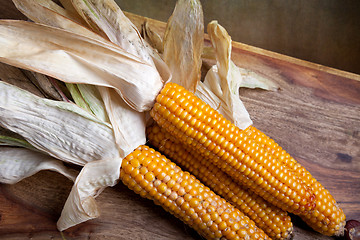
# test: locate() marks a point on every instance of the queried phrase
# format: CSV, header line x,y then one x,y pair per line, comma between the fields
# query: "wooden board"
x,y
315,117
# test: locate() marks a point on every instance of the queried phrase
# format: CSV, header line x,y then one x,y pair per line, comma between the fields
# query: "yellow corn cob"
x,y
153,176
203,129
327,217
273,221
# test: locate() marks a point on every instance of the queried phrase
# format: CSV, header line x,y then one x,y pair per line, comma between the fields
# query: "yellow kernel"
x,y
149,176
222,225
214,216
135,163
185,206
162,188
179,201
194,202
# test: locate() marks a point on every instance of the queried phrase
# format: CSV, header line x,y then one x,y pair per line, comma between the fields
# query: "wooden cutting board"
x,y
315,116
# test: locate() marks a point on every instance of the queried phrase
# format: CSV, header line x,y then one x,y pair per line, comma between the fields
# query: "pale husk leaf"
x,y
250,79
77,59
61,129
224,78
49,13
15,142
128,125
106,18
19,163
129,129
183,43
152,37
86,96
77,97
205,93
49,4
91,181
92,97
69,7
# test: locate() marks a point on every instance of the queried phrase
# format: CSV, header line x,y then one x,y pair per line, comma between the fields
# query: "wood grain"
x,y
314,116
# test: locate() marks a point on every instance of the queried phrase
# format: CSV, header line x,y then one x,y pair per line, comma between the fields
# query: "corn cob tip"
x,y
341,231
291,234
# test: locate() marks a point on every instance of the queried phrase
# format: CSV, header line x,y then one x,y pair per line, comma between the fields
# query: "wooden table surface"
x,y
315,116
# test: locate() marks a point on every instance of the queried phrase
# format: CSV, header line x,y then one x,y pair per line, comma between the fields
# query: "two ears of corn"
x,y
116,77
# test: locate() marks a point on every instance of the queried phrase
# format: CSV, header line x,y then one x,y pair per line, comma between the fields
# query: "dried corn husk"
x,y
128,124
19,163
86,96
91,181
224,80
71,134
109,23
61,129
49,13
183,43
249,79
106,18
152,37
77,59
183,47
69,7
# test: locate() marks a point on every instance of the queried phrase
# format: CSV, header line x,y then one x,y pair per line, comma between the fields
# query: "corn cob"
x,y
273,221
203,129
327,217
153,176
